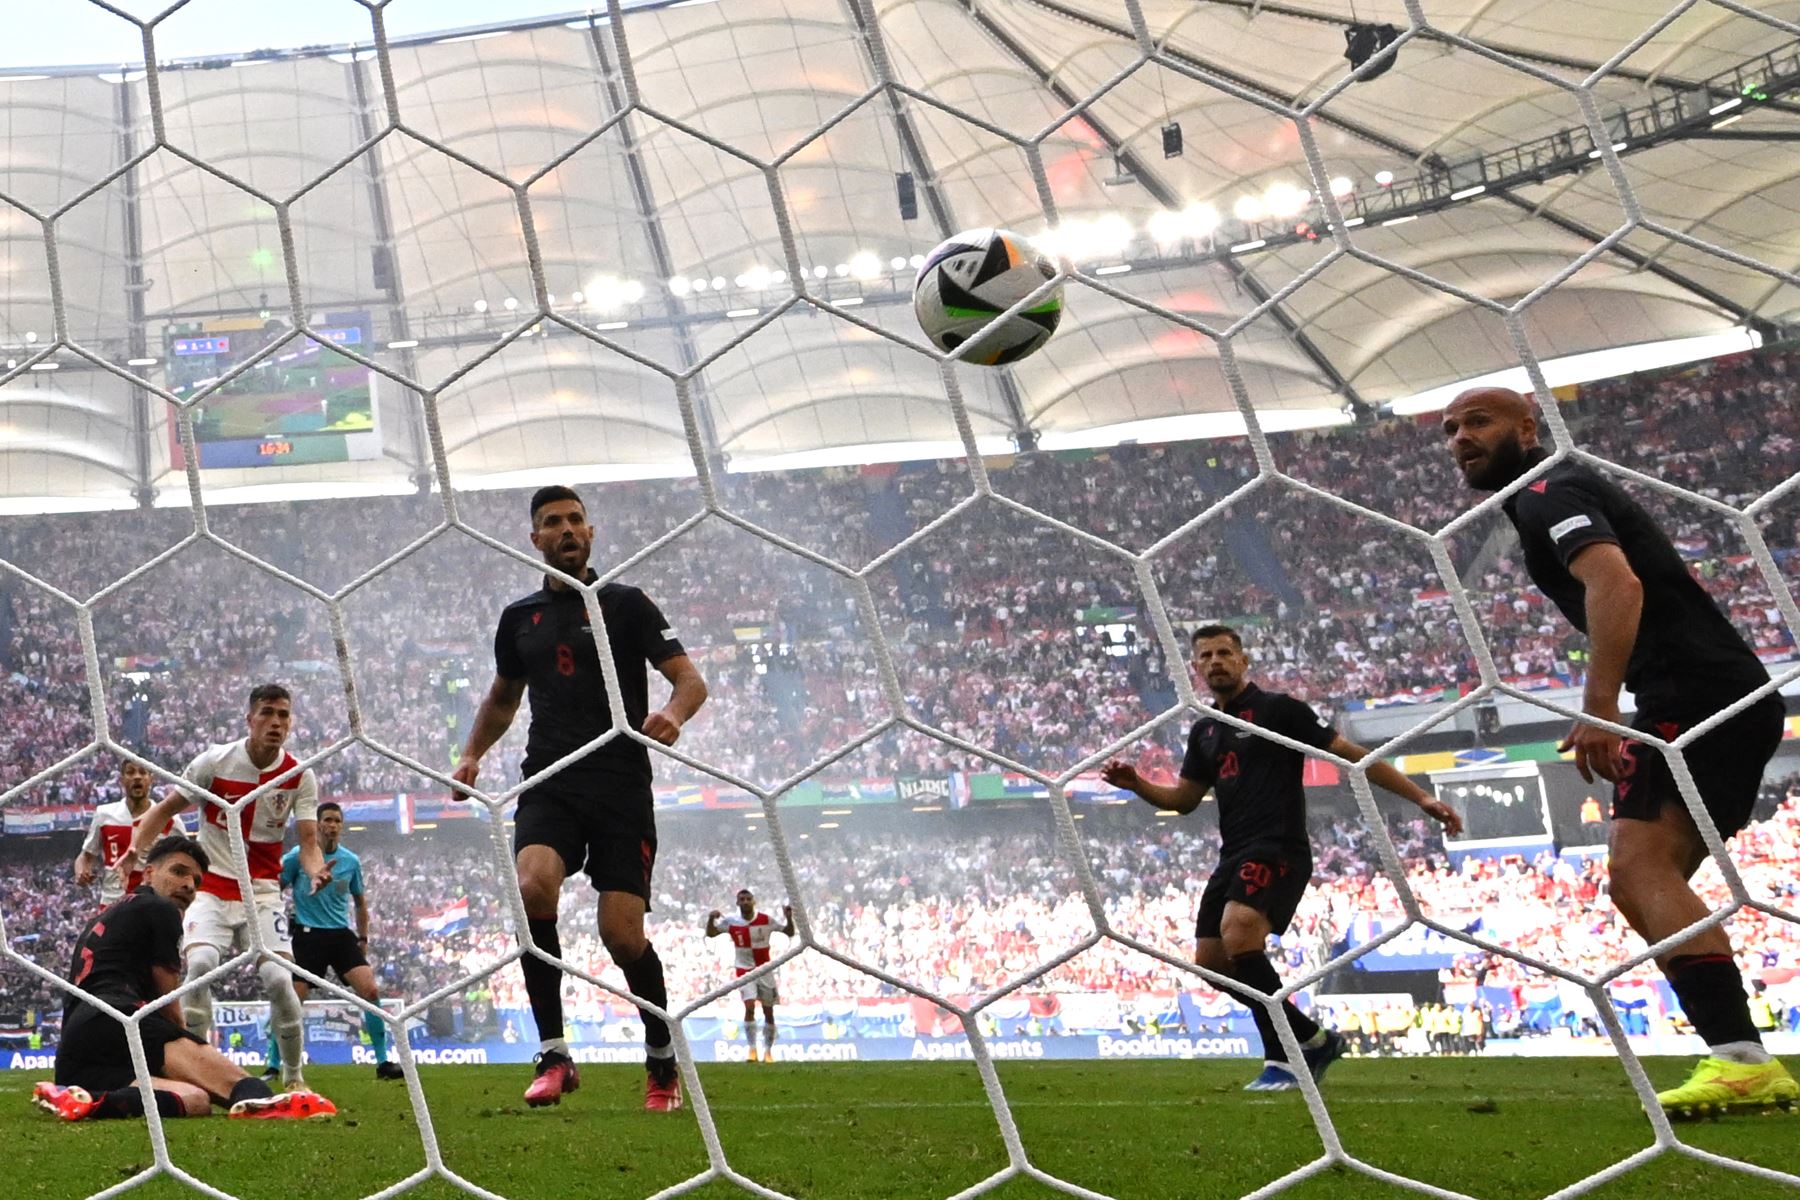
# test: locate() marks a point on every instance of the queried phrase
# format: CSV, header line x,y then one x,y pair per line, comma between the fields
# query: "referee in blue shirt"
x,y
323,938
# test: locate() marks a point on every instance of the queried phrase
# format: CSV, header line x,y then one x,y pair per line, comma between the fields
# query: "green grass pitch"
x,y
1137,1131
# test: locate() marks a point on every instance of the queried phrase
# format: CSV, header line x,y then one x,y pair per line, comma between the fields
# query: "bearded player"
x,y
597,813
750,934
218,922
129,956
109,835
1265,856
1652,628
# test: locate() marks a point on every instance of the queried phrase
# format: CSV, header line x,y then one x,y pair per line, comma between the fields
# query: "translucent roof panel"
x,y
553,243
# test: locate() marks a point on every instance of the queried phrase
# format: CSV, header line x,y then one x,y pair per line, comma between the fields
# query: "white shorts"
x,y
225,924
761,988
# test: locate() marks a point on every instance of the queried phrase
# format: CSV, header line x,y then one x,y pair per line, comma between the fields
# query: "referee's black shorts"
x,y
323,951
607,829
1727,763
92,1052
1271,879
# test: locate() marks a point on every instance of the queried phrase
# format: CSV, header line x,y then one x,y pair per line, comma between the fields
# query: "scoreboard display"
x,y
305,403
1500,805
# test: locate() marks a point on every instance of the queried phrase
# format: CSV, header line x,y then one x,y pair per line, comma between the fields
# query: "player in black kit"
x,y
1265,857
594,815
129,956
1652,628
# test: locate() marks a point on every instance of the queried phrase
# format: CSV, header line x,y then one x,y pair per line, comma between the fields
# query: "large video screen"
x,y
1498,804
306,403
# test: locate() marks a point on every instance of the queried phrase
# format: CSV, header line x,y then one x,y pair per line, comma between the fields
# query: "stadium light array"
x,y
1285,200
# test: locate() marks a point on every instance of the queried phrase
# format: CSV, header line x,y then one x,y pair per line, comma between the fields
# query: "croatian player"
x,y
128,956
109,835
218,922
323,939
1651,627
1265,856
750,933
598,813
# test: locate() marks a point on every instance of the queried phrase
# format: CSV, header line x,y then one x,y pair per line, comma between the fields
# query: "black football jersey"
x,y
1687,652
116,951
1257,782
546,640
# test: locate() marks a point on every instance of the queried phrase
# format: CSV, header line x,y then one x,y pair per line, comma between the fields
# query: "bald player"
x,y
1652,628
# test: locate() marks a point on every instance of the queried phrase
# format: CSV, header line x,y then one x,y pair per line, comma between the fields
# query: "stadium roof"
x,y
433,247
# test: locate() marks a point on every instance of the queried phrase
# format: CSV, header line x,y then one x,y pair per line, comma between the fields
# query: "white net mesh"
x,y
692,366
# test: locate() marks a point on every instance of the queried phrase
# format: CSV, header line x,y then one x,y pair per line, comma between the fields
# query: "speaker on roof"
x,y
1171,136
909,195
1363,42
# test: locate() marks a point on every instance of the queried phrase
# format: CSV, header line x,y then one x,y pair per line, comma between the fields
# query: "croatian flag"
x,y
453,919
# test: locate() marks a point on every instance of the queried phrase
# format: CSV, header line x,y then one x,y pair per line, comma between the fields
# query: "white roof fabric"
x,y
641,203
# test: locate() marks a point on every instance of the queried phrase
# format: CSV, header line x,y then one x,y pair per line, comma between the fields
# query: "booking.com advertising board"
x,y
885,1031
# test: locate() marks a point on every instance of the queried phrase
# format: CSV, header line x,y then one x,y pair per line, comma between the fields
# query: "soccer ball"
x,y
973,278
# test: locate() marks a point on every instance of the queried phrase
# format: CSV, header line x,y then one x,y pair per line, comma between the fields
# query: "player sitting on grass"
x,y
129,956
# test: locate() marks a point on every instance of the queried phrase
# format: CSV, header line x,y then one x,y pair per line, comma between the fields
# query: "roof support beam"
x,y
1414,154
874,47
1542,58
423,467
1165,196
644,198
136,329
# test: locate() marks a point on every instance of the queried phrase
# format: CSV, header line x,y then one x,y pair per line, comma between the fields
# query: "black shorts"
x,y
93,1053
1727,764
1268,879
611,836
322,951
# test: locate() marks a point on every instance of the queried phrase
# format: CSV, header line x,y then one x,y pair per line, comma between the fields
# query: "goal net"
x,y
357,286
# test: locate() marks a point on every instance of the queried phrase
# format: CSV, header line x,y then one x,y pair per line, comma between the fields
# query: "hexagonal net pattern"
x,y
1148,52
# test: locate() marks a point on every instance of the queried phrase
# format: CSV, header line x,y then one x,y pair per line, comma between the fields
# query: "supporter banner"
x,y
43,820
1418,949
955,790
453,918
951,791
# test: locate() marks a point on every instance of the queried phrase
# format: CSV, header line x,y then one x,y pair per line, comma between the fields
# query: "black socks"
x,y
645,979
1712,995
543,982
1258,972
248,1088
129,1102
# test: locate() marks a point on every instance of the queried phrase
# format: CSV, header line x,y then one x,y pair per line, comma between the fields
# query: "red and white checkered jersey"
x,y
108,837
750,935
227,772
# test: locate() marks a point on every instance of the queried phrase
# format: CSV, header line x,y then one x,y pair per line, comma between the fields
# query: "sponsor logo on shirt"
x,y
1563,529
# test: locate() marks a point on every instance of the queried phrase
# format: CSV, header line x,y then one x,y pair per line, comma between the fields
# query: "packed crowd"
x,y
1005,631
962,910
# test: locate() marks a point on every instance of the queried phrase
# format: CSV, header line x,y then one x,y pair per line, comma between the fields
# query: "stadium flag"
x,y
453,919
